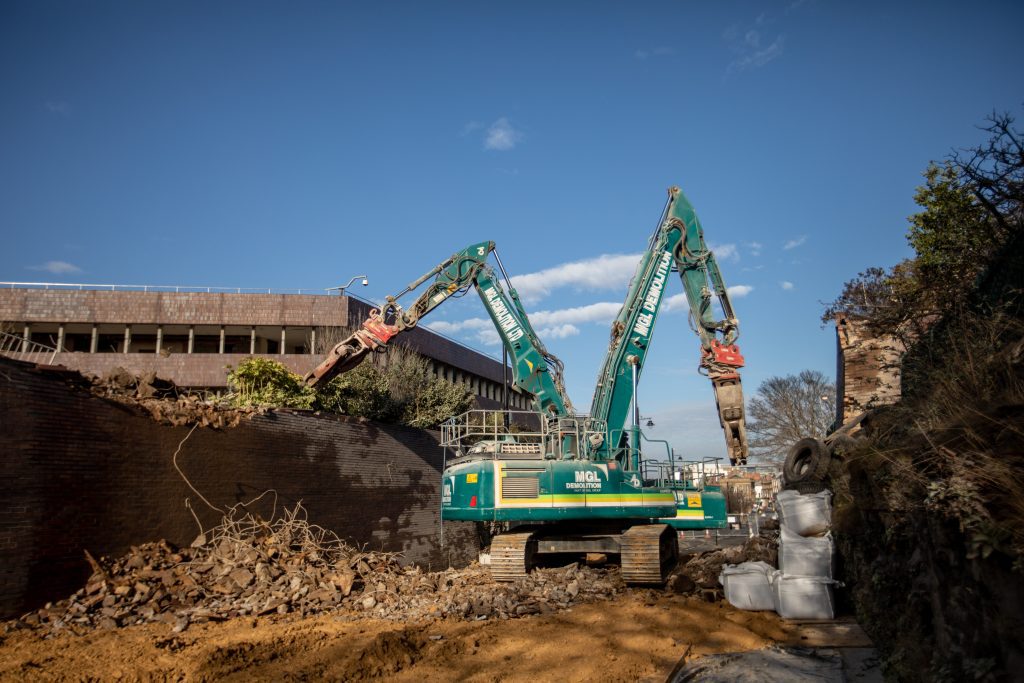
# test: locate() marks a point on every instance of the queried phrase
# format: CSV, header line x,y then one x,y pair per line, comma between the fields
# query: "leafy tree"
x,y
888,300
435,403
361,392
400,389
262,381
786,409
972,209
949,236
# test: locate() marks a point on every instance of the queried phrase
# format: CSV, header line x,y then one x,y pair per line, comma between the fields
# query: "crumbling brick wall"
x,y
868,369
83,473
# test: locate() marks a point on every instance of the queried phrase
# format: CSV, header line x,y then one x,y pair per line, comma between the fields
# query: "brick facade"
x,y
867,369
83,473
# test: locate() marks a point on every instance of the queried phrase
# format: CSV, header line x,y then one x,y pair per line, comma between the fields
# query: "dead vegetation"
x,y
929,510
953,446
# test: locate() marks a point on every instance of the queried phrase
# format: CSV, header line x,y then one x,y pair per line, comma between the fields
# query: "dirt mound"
x,y
625,639
389,653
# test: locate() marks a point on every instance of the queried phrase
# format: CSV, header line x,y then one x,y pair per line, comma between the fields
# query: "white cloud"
x,y
677,302
57,267
786,285
501,136
471,324
470,128
601,312
61,107
558,332
751,58
725,252
749,45
480,329
556,324
754,247
662,51
608,271
793,244
488,337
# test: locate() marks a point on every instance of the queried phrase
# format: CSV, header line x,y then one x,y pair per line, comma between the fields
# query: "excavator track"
x,y
648,553
512,555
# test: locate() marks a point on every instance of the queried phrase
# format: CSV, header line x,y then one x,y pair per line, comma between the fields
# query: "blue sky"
x,y
293,145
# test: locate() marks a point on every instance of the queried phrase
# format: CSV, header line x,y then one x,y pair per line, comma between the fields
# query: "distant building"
x,y
192,336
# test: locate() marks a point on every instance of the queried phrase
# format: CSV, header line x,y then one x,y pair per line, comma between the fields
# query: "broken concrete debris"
x,y
703,569
164,402
257,569
156,582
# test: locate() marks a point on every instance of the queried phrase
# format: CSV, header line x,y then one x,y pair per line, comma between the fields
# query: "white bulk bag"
x,y
747,585
809,514
803,597
802,556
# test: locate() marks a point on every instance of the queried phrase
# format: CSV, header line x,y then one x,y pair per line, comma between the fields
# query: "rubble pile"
x,y
248,567
165,403
703,569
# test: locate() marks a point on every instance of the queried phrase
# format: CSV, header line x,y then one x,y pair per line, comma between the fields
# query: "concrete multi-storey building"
x,y
190,336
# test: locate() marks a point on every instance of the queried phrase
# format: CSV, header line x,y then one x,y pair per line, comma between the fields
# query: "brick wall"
x,y
80,472
868,369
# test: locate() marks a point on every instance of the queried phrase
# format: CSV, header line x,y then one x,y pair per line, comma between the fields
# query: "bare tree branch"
x,y
786,409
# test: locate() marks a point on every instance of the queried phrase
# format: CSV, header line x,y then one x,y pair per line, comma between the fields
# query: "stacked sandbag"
x,y
806,555
802,588
807,514
803,597
748,585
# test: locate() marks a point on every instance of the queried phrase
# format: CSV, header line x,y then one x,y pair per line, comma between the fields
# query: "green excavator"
x,y
677,244
562,482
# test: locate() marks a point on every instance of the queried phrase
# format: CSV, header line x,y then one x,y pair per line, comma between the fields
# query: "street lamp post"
x,y
341,289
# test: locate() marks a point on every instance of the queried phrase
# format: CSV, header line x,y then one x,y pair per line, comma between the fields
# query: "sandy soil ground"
x,y
641,634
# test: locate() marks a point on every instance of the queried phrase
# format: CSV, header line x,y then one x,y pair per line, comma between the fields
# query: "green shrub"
x,y
266,382
399,388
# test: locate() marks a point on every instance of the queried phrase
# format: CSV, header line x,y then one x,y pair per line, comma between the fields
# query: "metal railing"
x,y
19,348
161,288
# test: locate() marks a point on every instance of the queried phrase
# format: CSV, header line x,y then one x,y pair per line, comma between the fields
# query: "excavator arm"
x,y
535,371
677,243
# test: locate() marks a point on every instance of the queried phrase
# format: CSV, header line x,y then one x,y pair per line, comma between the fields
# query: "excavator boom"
x,y
535,370
677,243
